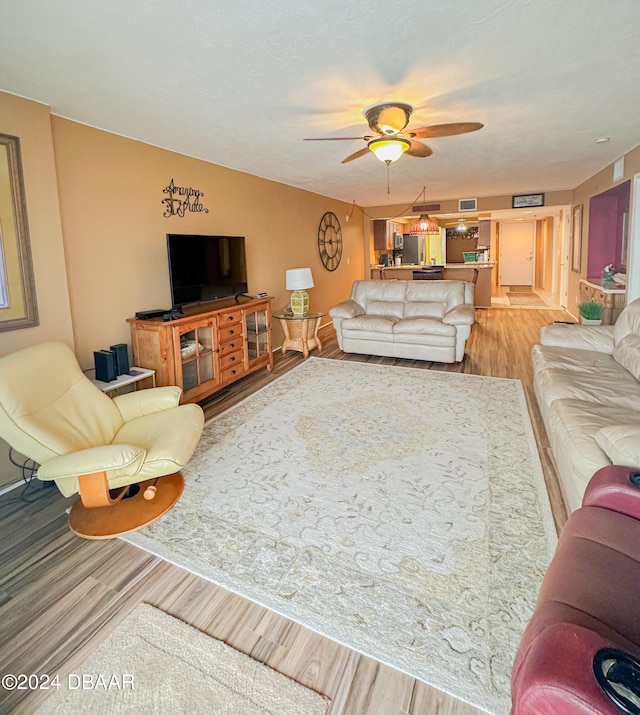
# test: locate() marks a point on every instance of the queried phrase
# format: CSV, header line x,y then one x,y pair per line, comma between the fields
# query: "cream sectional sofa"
x,y
587,383
420,320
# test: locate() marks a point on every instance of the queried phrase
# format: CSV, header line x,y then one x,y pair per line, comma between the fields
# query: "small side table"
x,y
135,375
300,331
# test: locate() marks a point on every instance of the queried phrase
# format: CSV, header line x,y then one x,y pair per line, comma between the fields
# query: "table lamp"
x,y
298,280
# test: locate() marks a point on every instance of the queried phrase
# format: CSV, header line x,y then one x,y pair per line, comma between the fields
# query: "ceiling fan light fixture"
x,y
389,149
389,117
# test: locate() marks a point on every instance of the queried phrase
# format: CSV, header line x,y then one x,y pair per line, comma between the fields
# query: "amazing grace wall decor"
x,y
182,199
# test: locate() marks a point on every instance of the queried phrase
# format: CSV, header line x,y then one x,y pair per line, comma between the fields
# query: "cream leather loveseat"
x,y
421,320
586,380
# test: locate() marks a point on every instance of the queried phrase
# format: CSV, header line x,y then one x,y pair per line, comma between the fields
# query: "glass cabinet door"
x,y
258,334
197,361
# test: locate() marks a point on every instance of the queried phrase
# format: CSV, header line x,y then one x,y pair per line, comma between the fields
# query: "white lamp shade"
x,y
299,279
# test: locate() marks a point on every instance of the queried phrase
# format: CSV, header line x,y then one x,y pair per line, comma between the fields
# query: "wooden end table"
x,y
300,331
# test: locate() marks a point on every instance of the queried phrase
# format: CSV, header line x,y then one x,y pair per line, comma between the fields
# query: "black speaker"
x,y
122,358
105,365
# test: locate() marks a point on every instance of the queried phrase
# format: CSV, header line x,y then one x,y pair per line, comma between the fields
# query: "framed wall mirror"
x,y
576,238
18,307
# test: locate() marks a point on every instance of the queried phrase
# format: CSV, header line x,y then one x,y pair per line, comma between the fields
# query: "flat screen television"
x,y
203,268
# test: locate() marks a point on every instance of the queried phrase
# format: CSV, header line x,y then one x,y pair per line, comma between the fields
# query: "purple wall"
x,y
607,215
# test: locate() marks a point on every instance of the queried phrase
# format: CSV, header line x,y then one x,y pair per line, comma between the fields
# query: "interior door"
x,y
516,262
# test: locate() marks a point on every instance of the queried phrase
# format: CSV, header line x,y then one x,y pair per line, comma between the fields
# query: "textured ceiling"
x,y
241,84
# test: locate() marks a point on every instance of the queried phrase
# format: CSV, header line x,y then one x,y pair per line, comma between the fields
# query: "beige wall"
x,y
30,122
114,230
602,181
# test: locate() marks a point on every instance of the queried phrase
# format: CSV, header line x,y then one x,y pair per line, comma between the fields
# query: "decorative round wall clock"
x,y
330,241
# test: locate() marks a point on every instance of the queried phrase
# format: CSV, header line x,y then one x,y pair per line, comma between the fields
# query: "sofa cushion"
x,y
364,292
346,309
574,425
449,293
627,353
420,326
388,308
560,376
371,323
585,361
621,443
578,337
628,322
424,309
445,341
372,335
460,315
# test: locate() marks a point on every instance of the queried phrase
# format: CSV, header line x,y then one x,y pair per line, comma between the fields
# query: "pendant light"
x,y
424,225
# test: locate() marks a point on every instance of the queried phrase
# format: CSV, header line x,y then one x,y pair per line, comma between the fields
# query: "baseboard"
x,y
10,487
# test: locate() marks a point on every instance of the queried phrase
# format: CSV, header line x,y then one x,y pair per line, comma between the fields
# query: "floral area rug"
x,y
399,511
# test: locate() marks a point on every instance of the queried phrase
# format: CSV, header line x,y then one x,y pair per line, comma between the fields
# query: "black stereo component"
x,y
148,314
121,354
105,362
174,314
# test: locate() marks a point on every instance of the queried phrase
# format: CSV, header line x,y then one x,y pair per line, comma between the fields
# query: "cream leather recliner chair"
x,y
89,443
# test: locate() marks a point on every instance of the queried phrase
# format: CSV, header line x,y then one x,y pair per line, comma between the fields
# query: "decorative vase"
x,y
590,321
299,302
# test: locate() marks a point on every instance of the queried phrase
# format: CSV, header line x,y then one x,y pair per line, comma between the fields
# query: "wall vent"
x,y
468,205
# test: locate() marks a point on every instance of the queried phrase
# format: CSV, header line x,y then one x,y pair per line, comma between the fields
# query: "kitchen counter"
x,y
452,271
417,266
472,264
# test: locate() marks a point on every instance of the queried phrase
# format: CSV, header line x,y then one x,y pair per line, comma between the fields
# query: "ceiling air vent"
x,y
468,205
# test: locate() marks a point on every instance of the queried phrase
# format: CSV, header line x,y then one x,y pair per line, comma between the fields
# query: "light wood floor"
x,y
61,595
500,298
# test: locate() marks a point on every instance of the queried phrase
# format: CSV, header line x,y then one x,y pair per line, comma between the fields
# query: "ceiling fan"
x,y
463,221
391,140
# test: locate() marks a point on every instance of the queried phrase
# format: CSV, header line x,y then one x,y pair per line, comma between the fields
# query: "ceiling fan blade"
x,y
444,130
419,149
356,155
333,139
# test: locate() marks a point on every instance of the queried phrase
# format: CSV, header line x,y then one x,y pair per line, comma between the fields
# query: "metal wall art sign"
x,y
182,199
524,201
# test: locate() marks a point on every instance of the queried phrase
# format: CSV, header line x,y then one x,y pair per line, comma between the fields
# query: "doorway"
x,y
516,264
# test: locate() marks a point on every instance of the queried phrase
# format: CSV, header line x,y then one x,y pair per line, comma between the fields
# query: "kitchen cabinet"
x,y
383,232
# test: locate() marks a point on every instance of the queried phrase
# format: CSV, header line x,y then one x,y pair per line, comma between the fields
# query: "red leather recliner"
x,y
589,601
